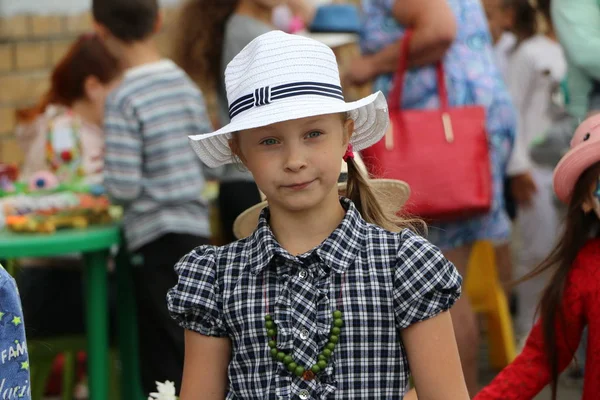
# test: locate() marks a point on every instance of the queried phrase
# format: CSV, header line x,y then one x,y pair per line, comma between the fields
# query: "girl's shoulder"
x,y
588,259
218,260
425,283
584,276
405,247
415,263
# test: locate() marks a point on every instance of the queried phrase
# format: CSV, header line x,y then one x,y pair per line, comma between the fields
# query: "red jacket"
x,y
527,375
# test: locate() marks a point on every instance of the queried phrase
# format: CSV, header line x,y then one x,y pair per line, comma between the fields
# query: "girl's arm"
x,y
205,367
434,29
433,357
527,375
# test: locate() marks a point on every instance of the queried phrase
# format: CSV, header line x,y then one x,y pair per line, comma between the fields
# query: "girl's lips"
x,y
299,186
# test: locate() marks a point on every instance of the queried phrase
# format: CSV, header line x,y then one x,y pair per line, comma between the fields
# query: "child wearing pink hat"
x,y
570,302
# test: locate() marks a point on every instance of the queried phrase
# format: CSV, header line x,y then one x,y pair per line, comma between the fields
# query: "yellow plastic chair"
x,y
488,298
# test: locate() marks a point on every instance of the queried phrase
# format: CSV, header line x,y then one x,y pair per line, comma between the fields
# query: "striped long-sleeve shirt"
x,y
150,168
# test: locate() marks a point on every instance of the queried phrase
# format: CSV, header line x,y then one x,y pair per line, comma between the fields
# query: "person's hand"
x,y
360,71
523,188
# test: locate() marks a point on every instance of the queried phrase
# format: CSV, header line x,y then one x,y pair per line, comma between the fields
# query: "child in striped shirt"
x,y
151,170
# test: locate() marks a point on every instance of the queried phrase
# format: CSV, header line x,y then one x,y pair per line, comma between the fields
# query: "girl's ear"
x,y
348,131
235,150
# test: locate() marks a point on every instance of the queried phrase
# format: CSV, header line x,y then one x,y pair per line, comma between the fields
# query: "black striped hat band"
x,y
267,94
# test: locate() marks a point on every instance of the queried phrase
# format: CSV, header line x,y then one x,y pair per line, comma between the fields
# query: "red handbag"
x,y
442,154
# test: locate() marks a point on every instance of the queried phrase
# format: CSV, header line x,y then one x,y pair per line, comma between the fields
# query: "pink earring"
x,y
349,154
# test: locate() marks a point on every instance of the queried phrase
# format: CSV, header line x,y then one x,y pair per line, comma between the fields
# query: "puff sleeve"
x,y
425,283
196,302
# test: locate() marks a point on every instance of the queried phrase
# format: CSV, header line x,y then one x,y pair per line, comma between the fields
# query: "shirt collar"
x,y
338,251
150,68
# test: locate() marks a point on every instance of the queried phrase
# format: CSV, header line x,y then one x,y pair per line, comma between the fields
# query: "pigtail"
x,y
375,205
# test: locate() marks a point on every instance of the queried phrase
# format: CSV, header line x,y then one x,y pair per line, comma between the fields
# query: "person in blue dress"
x,y
456,32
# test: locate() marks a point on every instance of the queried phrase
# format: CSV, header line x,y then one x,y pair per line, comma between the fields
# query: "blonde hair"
x,y
376,206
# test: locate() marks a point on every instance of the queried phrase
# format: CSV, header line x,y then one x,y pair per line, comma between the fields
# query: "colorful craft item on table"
x,y
43,180
11,172
8,177
39,224
97,190
7,185
23,204
63,148
47,212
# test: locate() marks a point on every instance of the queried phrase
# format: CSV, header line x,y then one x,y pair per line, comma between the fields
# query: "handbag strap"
x,y
396,92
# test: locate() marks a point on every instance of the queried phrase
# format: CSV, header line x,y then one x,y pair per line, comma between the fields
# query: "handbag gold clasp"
x,y
448,132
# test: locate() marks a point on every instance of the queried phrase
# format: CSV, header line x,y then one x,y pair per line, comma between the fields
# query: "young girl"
x,y
63,132
536,68
210,34
326,299
570,301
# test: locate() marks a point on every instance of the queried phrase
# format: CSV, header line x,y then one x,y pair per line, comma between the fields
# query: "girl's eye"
x,y
314,134
269,142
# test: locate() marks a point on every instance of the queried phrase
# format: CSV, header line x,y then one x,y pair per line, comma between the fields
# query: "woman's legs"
x,y
465,321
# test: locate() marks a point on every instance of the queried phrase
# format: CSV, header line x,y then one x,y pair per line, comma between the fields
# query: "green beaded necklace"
x,y
300,371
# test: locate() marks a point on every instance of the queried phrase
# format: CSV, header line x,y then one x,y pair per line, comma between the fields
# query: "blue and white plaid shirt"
x,y
392,280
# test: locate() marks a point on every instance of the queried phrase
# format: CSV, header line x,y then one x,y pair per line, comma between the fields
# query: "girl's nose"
x,y
295,159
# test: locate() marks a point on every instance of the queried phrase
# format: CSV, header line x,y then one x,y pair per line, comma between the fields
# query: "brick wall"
x,y
30,45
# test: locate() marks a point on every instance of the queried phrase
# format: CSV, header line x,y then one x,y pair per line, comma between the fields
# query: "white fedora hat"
x,y
279,77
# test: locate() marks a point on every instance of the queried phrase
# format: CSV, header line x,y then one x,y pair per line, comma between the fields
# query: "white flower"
x,y
166,391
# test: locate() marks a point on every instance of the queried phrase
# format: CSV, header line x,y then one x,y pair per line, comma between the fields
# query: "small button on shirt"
x,y
381,281
304,334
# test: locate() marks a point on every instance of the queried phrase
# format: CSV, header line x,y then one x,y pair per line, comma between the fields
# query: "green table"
x,y
94,243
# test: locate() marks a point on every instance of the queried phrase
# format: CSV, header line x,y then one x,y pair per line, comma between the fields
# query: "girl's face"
x,y
296,163
96,93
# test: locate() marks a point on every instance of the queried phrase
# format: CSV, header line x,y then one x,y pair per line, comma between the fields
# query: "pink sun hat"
x,y
584,152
